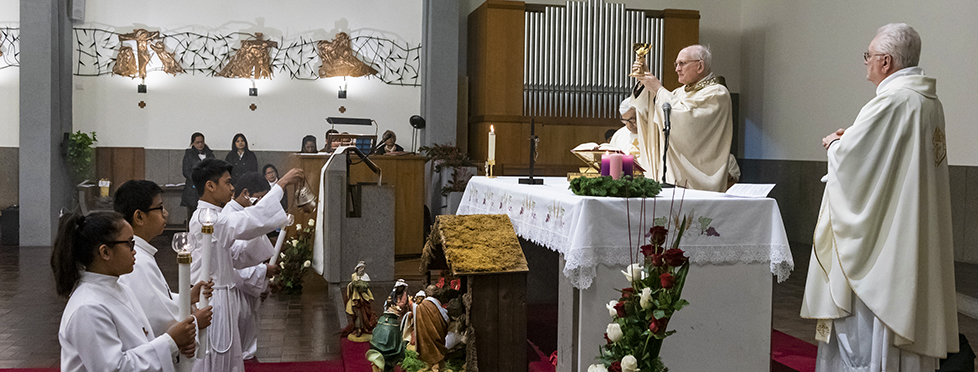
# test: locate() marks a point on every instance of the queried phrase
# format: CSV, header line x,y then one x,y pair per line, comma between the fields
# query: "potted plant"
x,y
80,156
450,173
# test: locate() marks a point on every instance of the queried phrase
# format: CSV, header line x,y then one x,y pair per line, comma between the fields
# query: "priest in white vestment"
x,y
702,124
212,179
626,137
881,277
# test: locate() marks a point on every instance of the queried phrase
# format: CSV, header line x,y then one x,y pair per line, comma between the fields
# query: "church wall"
x,y
803,75
286,110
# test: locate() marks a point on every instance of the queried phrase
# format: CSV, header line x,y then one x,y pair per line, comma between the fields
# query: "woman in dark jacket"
x,y
198,151
242,160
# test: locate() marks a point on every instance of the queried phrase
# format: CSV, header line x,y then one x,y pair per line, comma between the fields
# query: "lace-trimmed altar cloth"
x,y
589,231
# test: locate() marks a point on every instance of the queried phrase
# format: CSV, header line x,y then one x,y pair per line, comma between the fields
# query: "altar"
x,y
736,246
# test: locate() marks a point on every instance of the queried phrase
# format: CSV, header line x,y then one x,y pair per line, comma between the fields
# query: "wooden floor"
x,y
294,328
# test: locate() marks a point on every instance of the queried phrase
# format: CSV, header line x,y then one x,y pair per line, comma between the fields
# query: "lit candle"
x,y
627,164
281,239
207,219
492,144
615,167
605,164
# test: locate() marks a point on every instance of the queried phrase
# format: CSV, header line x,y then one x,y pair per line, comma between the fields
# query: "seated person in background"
x,y
626,138
271,175
608,135
308,144
389,145
330,143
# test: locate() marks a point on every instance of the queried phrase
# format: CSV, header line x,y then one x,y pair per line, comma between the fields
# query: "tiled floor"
x,y
294,328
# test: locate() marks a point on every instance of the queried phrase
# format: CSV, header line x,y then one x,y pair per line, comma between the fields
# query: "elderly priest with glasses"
x,y
702,123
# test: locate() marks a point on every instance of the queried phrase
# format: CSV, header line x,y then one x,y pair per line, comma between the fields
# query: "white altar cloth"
x,y
735,243
588,231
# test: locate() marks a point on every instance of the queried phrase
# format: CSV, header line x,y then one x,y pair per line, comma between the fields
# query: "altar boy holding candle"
x,y
212,179
141,204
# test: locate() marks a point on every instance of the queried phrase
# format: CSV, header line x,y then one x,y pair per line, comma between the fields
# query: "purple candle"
x,y
615,167
605,164
627,163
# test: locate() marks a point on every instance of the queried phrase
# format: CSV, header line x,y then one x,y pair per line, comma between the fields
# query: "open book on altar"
x,y
590,153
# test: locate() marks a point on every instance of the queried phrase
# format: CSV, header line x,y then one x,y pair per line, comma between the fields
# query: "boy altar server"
x,y
212,179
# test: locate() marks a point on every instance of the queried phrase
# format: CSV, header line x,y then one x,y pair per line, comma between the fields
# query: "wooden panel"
x,y
556,141
498,314
120,164
495,58
406,174
680,29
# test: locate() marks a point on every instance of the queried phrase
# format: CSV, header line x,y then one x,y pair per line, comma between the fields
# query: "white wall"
x,y
803,74
219,107
9,83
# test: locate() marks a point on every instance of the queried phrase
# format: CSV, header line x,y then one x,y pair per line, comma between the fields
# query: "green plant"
x,y
627,186
295,259
460,179
445,156
81,155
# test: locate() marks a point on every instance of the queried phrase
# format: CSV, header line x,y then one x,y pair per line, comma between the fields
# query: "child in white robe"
x,y
103,327
212,179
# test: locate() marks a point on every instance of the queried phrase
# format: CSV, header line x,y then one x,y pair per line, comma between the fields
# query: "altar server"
x,y
141,204
881,277
212,179
702,123
103,327
626,137
251,281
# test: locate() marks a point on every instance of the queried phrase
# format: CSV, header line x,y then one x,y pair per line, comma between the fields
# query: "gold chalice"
x,y
641,49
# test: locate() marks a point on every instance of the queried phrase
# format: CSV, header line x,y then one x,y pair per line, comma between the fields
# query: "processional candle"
x,y
207,219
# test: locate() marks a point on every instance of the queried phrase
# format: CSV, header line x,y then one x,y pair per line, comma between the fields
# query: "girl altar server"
x,y
103,328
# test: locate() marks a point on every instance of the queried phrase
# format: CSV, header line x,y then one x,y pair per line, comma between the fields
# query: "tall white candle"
x,y
492,143
183,296
207,219
278,246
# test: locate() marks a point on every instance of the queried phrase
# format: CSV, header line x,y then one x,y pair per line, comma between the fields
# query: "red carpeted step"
x,y
792,353
354,355
323,366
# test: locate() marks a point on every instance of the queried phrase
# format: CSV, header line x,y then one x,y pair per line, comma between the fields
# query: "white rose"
x,y
307,263
312,222
614,332
629,364
611,308
646,301
281,255
295,242
597,368
634,270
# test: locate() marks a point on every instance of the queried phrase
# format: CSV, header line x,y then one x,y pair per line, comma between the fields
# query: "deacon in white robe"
x,y
224,334
881,277
701,124
626,137
103,328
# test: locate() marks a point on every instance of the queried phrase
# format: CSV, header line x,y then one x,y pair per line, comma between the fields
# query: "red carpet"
x,y
792,353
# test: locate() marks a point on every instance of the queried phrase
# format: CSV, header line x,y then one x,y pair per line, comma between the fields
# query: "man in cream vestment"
x,y
881,277
702,124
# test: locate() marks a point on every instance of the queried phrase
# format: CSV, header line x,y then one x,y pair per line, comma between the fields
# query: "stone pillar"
x,y
439,65
45,115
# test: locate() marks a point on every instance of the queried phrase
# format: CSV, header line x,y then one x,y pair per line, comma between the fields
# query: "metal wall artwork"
x,y
132,64
396,61
251,60
340,60
9,47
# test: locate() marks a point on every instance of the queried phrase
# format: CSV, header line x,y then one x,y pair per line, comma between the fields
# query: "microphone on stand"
x,y
666,110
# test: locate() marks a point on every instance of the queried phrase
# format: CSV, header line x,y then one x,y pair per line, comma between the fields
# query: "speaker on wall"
x,y
76,11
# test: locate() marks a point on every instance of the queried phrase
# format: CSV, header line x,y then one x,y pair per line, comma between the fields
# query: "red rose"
x,y
657,235
657,260
615,367
674,257
667,280
647,250
627,292
658,325
620,308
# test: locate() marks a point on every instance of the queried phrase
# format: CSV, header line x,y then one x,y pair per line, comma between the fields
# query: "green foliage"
x,y
295,259
81,155
411,363
445,156
627,186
